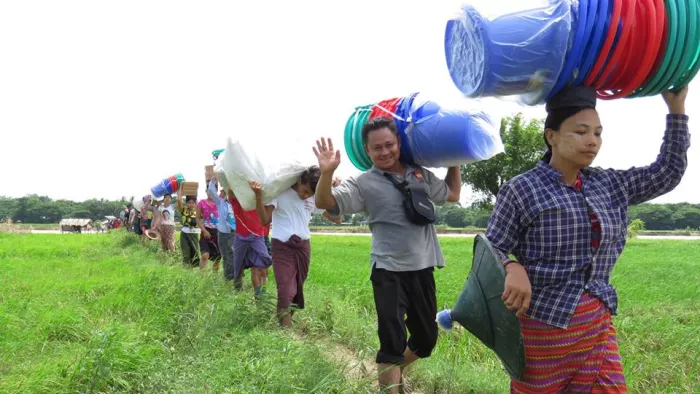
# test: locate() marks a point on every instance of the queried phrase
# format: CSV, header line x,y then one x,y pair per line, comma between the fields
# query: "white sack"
x,y
276,169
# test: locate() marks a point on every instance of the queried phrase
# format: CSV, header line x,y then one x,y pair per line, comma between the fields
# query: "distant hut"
x,y
75,225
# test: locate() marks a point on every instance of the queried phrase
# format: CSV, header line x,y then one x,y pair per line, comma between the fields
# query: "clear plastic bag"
x,y
252,160
517,53
440,136
219,171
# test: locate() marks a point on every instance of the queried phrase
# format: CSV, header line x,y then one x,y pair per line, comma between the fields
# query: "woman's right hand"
x,y
518,290
328,157
206,234
676,100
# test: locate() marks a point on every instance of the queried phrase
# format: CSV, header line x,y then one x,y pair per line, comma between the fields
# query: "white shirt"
x,y
292,215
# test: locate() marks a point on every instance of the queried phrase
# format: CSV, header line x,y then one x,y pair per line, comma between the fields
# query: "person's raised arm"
x,y
212,192
264,211
328,162
335,219
178,203
665,173
453,179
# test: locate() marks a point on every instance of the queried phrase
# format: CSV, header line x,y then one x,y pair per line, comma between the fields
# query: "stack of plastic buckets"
x,y
354,145
516,54
169,185
622,48
431,136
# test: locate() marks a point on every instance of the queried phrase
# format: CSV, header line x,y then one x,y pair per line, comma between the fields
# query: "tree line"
x,y
42,209
524,147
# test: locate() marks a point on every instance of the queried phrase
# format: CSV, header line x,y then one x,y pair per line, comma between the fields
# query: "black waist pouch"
x,y
416,202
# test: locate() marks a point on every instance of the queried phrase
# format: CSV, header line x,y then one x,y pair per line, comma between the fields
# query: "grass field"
x,y
365,229
101,314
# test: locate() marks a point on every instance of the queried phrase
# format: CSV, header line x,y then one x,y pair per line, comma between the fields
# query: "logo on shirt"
x,y
418,174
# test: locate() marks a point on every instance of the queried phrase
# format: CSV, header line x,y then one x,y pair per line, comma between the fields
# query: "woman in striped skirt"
x,y
565,223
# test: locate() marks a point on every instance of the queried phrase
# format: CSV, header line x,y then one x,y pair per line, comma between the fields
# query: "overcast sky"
x,y
105,99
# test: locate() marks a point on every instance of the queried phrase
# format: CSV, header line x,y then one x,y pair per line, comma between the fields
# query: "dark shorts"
x,y
410,294
137,226
210,245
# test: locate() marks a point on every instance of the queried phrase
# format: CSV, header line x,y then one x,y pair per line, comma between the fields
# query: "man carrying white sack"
x,y
405,246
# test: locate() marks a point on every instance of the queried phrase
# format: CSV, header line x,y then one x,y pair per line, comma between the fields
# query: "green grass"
x,y
101,314
364,229
98,314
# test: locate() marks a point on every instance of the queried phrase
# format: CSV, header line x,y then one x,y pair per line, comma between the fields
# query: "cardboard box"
x,y
208,172
190,188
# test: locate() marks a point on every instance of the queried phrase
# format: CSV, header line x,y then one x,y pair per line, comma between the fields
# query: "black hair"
x,y
311,176
190,198
377,124
554,120
167,195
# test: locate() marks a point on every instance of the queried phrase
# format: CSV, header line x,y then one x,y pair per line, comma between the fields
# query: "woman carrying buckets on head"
x,y
565,223
291,249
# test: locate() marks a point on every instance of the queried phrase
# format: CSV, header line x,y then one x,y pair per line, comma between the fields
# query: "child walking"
x,y
291,213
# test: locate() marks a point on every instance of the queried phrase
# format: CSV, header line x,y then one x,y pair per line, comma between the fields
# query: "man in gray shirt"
x,y
403,254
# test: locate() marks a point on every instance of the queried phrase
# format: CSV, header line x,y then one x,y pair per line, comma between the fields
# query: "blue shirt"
x,y
545,224
227,220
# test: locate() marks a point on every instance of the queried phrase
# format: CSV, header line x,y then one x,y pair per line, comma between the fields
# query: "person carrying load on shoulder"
x,y
290,236
249,249
398,199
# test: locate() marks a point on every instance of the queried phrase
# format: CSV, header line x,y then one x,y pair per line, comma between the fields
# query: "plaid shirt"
x,y
546,225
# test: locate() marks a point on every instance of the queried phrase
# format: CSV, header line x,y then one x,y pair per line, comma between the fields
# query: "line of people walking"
x,y
218,230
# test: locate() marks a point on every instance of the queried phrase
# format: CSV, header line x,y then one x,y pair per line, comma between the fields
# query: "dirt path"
x,y
354,367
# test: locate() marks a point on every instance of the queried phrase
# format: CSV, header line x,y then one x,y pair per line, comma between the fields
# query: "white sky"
x,y
105,99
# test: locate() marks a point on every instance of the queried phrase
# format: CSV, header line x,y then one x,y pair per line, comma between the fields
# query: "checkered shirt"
x,y
545,224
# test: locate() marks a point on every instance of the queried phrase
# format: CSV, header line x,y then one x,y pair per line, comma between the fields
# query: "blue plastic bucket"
x,y
516,54
403,110
439,137
159,190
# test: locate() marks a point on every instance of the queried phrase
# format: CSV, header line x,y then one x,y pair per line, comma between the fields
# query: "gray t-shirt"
x,y
397,244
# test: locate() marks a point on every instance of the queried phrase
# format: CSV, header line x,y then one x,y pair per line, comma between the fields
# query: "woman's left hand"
x,y
676,101
256,186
